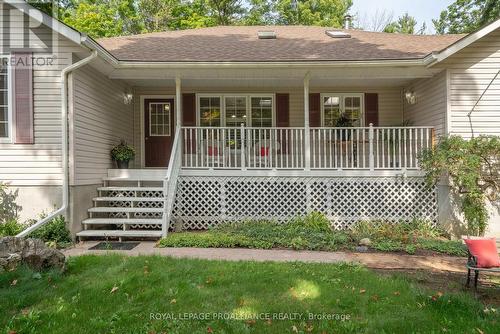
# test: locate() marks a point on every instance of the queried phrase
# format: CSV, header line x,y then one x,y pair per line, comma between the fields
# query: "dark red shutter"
x,y
23,99
314,110
189,119
189,109
282,110
371,109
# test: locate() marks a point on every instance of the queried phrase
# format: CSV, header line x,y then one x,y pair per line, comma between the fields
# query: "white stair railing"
x,y
170,182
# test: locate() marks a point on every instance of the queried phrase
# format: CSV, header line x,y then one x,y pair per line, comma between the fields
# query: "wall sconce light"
x,y
128,97
410,97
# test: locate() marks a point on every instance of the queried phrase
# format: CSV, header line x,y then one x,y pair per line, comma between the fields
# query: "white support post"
x,y
178,105
243,146
371,157
307,132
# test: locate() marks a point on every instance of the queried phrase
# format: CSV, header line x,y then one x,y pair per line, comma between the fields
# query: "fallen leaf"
x,y
250,322
12,332
479,331
14,282
173,301
396,293
209,330
294,329
114,289
269,322
362,291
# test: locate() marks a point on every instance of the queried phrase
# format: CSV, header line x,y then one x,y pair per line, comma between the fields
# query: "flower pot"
x,y
122,164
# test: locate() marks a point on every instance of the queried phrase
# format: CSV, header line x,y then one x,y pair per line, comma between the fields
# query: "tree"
x,y
96,20
378,21
260,12
404,25
226,12
312,12
465,16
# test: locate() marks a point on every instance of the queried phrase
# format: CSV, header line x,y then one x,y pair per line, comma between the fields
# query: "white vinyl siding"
x,y
471,70
100,120
430,106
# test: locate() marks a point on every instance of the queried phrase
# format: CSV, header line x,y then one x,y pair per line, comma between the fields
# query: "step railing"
x,y
170,181
349,148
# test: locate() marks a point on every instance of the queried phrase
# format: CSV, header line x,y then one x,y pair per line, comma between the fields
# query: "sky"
x,y
422,10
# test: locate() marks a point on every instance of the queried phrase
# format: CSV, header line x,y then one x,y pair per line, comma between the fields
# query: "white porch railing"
x,y
170,182
355,148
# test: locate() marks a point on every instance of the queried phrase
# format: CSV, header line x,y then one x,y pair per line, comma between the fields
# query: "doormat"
x,y
114,245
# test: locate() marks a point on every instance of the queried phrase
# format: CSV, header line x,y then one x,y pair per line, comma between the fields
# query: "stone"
x,y
33,252
365,242
361,249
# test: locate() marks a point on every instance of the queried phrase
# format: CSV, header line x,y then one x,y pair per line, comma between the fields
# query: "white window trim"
x,y
247,96
342,96
10,110
169,134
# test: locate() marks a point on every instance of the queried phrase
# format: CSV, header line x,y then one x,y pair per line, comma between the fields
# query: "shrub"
x,y
122,152
471,166
10,228
54,232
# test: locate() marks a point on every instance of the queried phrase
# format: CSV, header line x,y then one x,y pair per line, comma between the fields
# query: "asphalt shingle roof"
x,y
293,43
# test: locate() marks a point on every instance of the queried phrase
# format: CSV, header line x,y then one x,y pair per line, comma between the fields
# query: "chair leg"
x,y
468,278
475,279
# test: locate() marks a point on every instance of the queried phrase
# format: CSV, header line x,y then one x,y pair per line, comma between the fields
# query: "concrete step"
x,y
128,199
120,233
131,221
130,188
111,209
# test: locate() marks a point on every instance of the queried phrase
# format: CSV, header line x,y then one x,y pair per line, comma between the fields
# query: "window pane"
x,y
3,130
331,110
4,116
159,119
210,111
262,111
236,110
352,109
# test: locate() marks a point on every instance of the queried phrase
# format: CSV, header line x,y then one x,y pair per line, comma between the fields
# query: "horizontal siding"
x,y
40,163
471,70
430,109
390,103
100,121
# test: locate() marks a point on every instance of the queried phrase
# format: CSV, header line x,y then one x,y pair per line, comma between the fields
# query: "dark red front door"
x,y
159,131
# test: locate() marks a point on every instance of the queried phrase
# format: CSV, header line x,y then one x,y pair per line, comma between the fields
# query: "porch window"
x,y
262,111
235,110
4,104
342,110
210,111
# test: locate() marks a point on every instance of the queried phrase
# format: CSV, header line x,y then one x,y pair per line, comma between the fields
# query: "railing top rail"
x,y
173,155
302,128
246,127
368,127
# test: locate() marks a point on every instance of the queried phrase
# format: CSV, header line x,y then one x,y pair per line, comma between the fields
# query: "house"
x,y
233,123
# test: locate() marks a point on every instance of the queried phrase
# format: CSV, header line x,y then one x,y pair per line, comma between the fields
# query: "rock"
x,y
32,252
365,242
361,249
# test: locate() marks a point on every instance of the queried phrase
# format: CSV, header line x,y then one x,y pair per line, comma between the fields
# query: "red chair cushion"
x,y
264,151
213,151
485,250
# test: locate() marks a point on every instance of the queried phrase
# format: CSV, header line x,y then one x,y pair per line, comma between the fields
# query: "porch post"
x,y
307,132
178,97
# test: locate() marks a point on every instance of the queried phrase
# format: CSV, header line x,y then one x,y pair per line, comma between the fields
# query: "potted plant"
x,y
122,154
343,122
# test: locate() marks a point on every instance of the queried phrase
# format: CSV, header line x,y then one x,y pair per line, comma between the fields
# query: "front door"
x,y
159,131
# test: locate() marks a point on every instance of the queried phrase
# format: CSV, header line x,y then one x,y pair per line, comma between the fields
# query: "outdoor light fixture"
x,y
127,97
410,97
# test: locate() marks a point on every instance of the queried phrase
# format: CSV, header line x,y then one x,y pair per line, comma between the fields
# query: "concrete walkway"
x,y
371,260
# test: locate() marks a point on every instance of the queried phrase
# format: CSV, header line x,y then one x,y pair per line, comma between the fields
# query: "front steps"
x,y
129,205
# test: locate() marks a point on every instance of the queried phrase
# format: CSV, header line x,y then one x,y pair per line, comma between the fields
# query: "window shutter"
x,y
189,109
371,109
23,99
314,110
282,110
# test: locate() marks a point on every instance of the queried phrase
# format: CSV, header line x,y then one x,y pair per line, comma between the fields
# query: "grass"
x,y
115,294
313,233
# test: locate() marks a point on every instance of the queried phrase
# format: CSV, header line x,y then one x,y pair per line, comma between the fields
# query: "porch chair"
x,y
213,153
262,151
482,256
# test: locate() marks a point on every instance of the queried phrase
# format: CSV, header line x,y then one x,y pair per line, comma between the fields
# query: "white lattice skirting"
x,y
203,202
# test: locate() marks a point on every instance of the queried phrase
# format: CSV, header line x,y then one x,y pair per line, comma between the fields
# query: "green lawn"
x,y
114,294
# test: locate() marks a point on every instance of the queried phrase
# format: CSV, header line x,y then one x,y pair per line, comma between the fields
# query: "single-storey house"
x,y
235,123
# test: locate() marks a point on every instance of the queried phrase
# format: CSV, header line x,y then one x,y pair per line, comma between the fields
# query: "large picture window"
x,y
342,110
232,110
4,102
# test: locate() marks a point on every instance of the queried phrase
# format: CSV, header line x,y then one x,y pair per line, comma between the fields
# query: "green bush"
x,y
9,210
54,232
10,228
122,152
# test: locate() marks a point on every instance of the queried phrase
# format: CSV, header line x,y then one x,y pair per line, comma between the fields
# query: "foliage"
x,y
54,233
10,228
9,210
465,16
471,167
328,13
122,152
118,294
405,24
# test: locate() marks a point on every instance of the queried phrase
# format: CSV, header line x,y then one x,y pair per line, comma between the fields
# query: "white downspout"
x,y
64,142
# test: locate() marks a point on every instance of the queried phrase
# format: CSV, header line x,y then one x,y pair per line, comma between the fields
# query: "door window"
x,y
159,119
